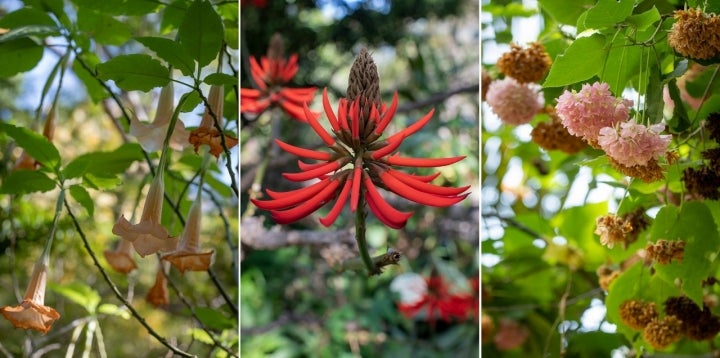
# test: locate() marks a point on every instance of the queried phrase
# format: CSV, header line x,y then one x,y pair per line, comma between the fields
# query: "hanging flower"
x,y
26,161
633,144
188,256
206,132
32,313
148,236
694,34
525,65
515,103
359,163
152,135
584,113
159,294
270,76
121,259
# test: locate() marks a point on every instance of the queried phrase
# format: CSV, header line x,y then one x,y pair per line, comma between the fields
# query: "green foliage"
x,y
34,144
135,72
581,61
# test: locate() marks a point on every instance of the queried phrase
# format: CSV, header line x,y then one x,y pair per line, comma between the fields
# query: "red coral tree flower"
x,y
270,75
359,163
439,301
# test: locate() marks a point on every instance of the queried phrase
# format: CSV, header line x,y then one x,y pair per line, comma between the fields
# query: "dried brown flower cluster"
x,y
698,324
664,332
637,314
649,173
485,82
663,251
525,65
621,229
606,276
702,182
695,34
712,124
552,135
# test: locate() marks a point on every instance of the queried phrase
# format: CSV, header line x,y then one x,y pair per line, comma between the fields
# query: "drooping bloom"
x,y
434,299
26,161
206,132
584,113
148,236
694,34
632,144
188,256
270,75
152,135
525,65
121,259
159,294
32,313
515,103
359,162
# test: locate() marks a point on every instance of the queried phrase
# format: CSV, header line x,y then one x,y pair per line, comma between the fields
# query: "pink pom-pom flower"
x,y
584,113
513,102
633,144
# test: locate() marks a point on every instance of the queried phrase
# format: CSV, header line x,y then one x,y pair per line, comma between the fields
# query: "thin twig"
x,y
438,98
119,295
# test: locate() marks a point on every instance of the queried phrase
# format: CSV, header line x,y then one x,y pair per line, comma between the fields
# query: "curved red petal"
x,y
329,111
388,115
307,166
422,162
306,208
303,152
392,145
355,195
383,208
290,69
392,223
342,115
311,174
298,95
249,93
420,197
424,186
312,120
413,128
329,219
295,111
258,74
290,198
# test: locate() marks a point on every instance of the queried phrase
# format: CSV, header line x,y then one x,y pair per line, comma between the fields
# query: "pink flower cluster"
x,y
584,113
513,102
633,144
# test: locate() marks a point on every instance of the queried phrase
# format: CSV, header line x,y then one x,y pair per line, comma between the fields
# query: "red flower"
x,y
438,301
357,165
270,75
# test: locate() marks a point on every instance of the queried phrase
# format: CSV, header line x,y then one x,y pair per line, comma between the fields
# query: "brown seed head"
x,y
364,80
664,332
525,65
637,314
276,50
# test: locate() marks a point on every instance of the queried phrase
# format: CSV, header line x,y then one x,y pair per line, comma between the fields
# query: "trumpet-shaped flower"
x,y
206,132
32,313
359,163
121,259
148,236
152,135
270,76
584,113
159,294
188,256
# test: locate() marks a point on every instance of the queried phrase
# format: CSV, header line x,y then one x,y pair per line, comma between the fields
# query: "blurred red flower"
x,y
439,301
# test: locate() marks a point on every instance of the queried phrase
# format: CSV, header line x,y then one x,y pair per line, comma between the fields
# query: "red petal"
x,y
258,74
290,198
387,116
312,120
418,184
355,118
294,110
329,111
302,152
250,93
304,209
298,95
355,196
420,197
422,162
412,129
342,115
392,145
290,69
307,166
329,219
383,209
311,174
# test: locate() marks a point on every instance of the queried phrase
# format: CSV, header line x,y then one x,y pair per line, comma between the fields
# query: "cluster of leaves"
x,y
109,51
542,260
292,303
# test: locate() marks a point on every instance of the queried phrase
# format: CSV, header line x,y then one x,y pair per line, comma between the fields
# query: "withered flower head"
x,y
637,314
663,251
359,162
703,182
712,124
552,135
664,332
530,64
612,230
695,34
648,173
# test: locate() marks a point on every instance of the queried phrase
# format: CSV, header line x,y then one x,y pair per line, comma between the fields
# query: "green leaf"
x,y
113,310
83,197
172,16
572,223
201,32
622,64
512,9
100,182
582,60
171,52
696,225
134,72
644,20
26,16
607,13
192,101
654,96
680,120
28,31
79,293
220,79
102,27
104,163
563,11
26,181
19,55
34,144
95,90
213,319
201,336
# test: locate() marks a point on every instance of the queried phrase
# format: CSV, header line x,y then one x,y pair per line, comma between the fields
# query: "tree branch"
x,y
256,236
